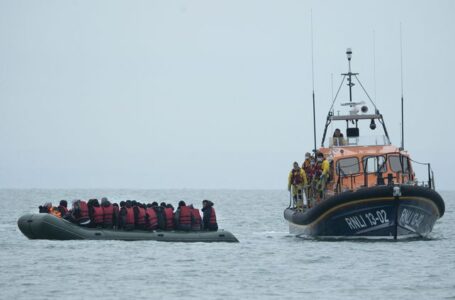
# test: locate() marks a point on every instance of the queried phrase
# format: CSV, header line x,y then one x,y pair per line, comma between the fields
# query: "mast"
x,y
402,97
312,76
350,84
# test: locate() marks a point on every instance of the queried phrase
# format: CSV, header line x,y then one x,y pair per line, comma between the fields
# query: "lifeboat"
x,y
50,227
371,189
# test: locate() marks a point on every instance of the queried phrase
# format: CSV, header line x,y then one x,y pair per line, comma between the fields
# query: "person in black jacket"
x,y
160,215
63,208
209,216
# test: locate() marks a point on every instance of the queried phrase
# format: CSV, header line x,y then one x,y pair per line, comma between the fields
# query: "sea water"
x,y
267,263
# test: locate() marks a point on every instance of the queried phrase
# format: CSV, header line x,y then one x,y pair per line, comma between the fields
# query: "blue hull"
x,y
370,213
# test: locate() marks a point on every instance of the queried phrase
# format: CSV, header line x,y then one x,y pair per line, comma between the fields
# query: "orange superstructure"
x,y
357,167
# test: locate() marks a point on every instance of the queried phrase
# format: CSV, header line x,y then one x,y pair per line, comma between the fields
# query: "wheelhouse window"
x,y
395,163
374,164
348,166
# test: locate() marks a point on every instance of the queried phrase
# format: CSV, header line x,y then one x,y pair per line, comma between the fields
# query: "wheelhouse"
x,y
366,170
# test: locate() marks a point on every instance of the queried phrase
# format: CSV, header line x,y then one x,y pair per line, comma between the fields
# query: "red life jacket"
x,y
185,215
83,209
296,179
129,220
197,220
140,216
97,214
317,170
212,216
169,213
152,219
108,211
63,210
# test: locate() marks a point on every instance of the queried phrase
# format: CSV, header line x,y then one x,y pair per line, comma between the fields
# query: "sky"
x,y
210,94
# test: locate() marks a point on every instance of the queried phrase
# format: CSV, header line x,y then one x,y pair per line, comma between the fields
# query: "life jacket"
x,y
212,216
296,178
54,211
63,210
152,222
140,216
97,214
317,170
185,216
168,212
108,212
83,208
196,219
129,220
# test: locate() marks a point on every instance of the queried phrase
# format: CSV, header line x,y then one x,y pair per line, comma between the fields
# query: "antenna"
x,y
374,63
312,76
402,97
350,84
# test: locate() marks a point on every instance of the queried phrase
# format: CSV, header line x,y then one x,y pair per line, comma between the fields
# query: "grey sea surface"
x,y
267,263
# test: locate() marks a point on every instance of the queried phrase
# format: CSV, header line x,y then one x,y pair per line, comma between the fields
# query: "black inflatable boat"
x,y
49,227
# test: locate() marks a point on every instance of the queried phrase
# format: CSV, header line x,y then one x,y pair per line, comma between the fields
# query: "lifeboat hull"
x,y
49,227
370,213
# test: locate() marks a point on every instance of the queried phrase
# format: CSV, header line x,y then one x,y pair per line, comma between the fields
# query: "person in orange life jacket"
x,y
95,213
63,208
108,213
297,181
55,212
127,215
196,220
151,218
139,215
159,210
209,216
182,217
115,220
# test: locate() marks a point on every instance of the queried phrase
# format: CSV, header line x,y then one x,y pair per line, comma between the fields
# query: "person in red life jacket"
x,y
209,216
79,213
139,215
115,217
159,210
183,217
63,208
108,213
196,220
127,215
95,213
168,210
151,222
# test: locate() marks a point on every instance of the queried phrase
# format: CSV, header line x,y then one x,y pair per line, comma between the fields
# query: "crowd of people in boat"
x,y
311,177
131,214
309,180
